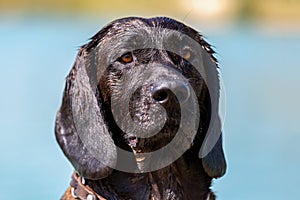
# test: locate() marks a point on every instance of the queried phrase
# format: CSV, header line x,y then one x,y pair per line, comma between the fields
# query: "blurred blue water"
x,y
261,78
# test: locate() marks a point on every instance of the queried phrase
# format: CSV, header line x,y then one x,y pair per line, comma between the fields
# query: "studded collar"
x,y
78,190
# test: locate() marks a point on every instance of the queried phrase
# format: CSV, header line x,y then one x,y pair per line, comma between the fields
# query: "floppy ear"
x,y
211,152
80,128
214,162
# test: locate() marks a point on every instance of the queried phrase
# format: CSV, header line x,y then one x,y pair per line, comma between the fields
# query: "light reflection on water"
x,y
260,74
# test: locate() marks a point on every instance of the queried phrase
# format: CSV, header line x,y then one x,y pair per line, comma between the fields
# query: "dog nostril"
x,y
182,93
160,95
161,91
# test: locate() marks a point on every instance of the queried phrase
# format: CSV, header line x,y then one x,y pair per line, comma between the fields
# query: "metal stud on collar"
x,y
82,180
90,197
73,193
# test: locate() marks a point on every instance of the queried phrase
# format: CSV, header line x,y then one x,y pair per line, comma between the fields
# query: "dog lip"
x,y
139,157
132,141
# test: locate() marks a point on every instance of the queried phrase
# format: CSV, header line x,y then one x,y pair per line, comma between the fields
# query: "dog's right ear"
x,y
80,128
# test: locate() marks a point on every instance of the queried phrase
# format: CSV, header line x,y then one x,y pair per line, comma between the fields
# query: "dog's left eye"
x,y
126,58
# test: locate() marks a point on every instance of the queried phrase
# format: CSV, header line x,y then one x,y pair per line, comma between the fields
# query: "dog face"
x,y
134,87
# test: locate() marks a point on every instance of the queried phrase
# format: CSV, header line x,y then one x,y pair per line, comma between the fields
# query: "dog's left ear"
x,y
211,152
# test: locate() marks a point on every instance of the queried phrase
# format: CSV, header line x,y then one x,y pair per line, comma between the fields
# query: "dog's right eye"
x,y
126,58
187,53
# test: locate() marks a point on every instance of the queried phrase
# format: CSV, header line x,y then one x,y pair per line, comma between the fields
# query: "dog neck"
x,y
80,190
179,180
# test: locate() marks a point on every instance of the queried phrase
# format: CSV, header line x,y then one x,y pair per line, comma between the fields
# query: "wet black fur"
x,y
186,178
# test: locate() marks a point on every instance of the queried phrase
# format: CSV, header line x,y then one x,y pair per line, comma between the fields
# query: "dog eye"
x,y
127,58
186,53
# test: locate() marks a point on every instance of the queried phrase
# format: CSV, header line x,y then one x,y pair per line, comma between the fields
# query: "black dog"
x,y
138,86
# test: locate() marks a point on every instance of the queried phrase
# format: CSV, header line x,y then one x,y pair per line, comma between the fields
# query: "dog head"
x,y
138,86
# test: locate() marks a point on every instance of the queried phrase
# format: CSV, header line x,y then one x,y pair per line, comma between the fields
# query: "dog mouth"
x,y
133,141
150,144
144,150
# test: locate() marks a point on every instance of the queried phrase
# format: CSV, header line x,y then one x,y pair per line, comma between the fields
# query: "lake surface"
x,y
261,133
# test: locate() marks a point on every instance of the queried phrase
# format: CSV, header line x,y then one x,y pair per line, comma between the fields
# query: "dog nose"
x,y
162,91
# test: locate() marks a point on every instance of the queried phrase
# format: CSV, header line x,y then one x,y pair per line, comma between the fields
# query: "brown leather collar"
x,y
78,190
